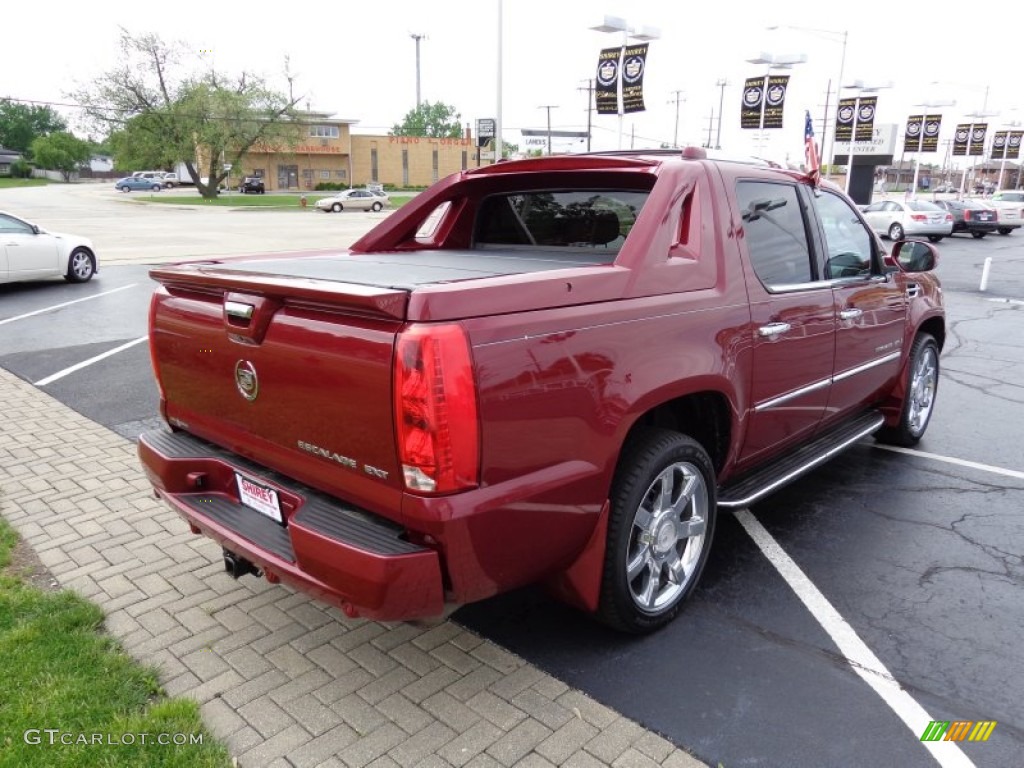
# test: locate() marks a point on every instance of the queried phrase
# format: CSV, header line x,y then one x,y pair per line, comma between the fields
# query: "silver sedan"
x,y
353,200
913,218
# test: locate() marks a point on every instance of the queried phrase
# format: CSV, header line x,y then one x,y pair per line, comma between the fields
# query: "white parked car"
x,y
1009,204
354,200
30,253
913,218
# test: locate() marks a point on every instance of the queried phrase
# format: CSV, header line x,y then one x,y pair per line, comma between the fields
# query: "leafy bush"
x,y
330,186
21,169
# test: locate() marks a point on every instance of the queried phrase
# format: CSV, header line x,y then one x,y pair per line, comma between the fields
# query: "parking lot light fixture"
x,y
934,104
860,87
643,34
835,36
773,61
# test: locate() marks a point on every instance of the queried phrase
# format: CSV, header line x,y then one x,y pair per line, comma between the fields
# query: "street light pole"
x,y
860,88
417,37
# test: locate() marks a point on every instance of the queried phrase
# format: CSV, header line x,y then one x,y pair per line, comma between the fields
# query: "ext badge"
x,y
245,380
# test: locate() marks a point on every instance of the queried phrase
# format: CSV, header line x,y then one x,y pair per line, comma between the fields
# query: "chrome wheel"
x,y
667,537
661,522
81,266
918,394
896,232
923,382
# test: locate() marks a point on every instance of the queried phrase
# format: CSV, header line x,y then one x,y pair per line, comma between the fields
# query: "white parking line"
x,y
66,304
87,363
951,460
868,666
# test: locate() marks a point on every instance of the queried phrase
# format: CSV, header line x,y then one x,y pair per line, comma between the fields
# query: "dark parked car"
x,y
971,216
251,184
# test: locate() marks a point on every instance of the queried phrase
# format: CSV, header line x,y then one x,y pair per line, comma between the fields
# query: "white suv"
x,y
1009,203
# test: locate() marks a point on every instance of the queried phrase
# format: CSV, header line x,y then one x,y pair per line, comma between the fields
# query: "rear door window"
x,y
775,233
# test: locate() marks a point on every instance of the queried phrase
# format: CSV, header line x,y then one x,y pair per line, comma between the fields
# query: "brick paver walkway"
x,y
282,679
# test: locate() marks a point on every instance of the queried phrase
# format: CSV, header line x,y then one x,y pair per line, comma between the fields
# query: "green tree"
x,y
437,120
60,151
203,119
21,124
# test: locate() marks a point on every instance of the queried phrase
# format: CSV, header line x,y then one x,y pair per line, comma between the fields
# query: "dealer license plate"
x,y
259,497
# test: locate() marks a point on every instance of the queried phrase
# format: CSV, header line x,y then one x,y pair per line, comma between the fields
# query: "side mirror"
x,y
915,256
35,229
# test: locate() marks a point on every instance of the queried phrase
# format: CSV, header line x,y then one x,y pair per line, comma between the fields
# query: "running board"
x,y
769,478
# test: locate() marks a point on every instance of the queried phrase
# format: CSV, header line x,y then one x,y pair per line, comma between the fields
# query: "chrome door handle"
x,y
850,314
773,329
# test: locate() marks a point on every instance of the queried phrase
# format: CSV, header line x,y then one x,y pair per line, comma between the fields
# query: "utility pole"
x,y
417,37
590,108
678,98
548,107
720,83
711,126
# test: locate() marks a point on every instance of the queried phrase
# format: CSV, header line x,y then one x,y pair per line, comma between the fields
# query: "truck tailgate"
x,y
293,374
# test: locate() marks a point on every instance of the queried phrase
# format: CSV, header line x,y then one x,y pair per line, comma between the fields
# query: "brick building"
x,y
328,152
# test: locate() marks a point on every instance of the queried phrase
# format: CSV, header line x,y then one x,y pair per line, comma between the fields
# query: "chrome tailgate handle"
x,y
773,329
238,310
850,314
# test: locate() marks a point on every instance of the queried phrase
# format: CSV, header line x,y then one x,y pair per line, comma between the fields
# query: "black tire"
x,y
896,232
921,386
126,188
81,266
376,206
935,238
1005,230
978,235
655,554
156,187
337,207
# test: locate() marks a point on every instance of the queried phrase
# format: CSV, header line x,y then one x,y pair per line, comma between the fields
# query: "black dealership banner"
x,y
844,119
1013,145
606,87
978,131
912,138
999,145
961,138
634,62
932,125
775,100
866,118
753,96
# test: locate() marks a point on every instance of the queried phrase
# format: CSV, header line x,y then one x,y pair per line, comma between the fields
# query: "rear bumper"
x,y
336,552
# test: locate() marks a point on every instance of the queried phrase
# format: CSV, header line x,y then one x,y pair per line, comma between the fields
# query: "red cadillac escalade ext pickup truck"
x,y
555,370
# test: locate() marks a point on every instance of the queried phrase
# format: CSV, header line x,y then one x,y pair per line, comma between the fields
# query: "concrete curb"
x,y
283,680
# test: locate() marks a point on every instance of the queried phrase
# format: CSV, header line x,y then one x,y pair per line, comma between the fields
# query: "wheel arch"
x,y
706,416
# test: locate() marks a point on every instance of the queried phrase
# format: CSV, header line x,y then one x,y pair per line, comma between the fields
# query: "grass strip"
x,y
71,697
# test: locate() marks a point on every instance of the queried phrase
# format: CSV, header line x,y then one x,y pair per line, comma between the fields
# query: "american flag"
x,y
811,150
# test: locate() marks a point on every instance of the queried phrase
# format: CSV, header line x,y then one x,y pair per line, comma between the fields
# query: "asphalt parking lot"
x,y
919,553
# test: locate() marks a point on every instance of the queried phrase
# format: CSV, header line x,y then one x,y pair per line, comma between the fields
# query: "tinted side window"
x,y
775,233
847,241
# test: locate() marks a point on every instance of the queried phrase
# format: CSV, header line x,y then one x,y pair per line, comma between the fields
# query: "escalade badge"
x,y
245,379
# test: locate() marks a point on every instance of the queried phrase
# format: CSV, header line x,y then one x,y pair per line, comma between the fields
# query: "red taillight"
x,y
967,214
918,217
949,217
436,410
153,302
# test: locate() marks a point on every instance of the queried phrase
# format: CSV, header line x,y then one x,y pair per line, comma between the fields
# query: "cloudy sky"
x,y
358,59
